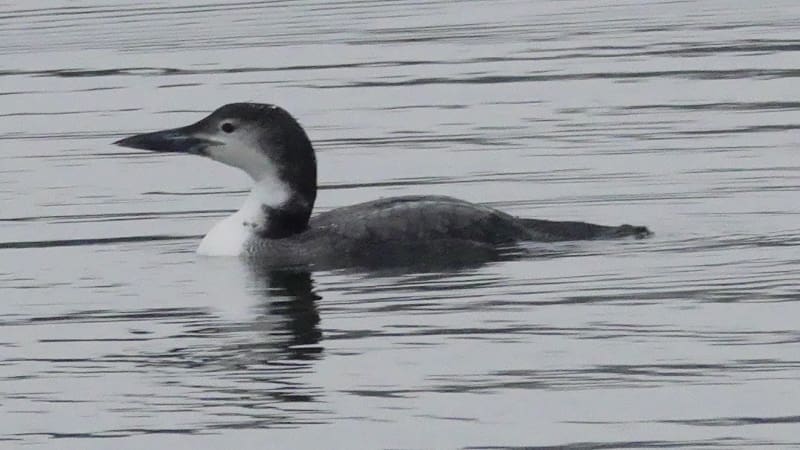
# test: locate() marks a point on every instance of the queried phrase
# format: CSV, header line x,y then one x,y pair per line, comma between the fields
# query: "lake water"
x,y
679,115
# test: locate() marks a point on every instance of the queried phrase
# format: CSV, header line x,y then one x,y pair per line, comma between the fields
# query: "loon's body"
x,y
275,225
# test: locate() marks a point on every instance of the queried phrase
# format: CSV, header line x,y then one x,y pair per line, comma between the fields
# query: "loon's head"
x,y
263,140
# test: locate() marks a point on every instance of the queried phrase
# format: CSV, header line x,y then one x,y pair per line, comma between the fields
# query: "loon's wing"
x,y
419,218
422,218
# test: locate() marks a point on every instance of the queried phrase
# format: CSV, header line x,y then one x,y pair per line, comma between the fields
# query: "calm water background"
x,y
680,115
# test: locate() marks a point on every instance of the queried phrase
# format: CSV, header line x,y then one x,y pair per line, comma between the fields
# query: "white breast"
x,y
227,238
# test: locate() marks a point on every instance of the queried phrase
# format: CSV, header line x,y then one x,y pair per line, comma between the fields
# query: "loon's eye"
x,y
228,127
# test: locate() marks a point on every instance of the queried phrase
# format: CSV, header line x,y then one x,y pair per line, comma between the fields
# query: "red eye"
x,y
228,127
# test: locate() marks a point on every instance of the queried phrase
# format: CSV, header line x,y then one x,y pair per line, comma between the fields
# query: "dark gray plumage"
x,y
418,230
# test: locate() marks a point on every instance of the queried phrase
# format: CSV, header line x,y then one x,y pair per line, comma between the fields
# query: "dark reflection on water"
x,y
284,326
290,294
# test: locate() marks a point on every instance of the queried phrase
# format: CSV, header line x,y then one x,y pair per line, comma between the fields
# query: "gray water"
x,y
679,115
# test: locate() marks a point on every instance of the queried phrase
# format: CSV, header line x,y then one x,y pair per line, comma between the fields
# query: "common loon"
x,y
275,225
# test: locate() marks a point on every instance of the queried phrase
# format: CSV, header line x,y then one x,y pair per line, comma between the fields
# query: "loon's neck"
x,y
272,210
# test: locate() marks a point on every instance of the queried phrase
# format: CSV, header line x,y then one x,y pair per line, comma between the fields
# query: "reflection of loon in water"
x,y
290,295
275,225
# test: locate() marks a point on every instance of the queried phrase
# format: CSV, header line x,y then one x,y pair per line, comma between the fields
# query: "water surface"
x,y
682,116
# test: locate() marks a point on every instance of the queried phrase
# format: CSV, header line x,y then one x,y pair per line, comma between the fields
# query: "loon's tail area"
x,y
573,231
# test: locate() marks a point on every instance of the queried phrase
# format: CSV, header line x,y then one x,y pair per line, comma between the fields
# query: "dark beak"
x,y
176,140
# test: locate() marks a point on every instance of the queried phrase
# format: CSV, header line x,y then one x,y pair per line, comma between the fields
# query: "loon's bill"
x,y
275,225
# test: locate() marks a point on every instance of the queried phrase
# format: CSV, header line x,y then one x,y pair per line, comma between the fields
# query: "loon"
x,y
275,224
